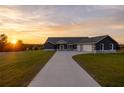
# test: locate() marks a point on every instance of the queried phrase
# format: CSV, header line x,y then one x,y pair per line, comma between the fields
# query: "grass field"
x,y
106,69
19,68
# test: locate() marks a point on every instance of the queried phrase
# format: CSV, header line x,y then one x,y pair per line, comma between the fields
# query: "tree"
x,y
19,42
3,41
19,46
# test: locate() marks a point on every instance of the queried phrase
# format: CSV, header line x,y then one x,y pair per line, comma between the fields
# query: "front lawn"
x,y
19,68
106,69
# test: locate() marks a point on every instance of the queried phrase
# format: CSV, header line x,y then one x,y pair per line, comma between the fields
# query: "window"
x,y
75,46
111,46
101,46
72,46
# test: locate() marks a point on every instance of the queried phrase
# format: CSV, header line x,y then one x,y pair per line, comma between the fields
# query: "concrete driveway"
x,y
63,71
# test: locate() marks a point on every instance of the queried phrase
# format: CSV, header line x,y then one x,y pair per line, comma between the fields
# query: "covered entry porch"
x,y
66,47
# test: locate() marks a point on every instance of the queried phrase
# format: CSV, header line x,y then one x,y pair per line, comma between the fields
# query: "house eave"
x,y
87,43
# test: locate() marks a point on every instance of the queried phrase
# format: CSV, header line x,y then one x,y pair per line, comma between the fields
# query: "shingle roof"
x,y
76,39
93,39
67,39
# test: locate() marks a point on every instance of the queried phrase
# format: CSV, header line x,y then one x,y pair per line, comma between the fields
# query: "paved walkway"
x,y
63,71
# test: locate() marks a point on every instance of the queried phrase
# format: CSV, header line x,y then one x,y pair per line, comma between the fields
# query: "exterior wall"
x,y
107,41
87,48
78,47
49,45
57,46
68,47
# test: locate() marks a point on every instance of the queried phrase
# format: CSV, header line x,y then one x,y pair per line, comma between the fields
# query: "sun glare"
x,y
14,41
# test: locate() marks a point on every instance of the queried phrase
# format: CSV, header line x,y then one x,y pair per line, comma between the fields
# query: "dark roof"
x,y
93,39
76,39
66,39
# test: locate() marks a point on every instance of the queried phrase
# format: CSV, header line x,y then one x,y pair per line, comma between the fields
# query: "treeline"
x,y
6,46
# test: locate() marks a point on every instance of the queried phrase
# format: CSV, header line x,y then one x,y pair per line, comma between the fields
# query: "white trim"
x,y
61,47
112,46
102,39
78,47
93,47
87,47
102,46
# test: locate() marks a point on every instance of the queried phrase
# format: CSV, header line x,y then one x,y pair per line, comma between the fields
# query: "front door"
x,y
61,47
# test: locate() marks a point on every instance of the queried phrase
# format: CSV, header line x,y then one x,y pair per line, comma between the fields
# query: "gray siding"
x,y
49,45
107,41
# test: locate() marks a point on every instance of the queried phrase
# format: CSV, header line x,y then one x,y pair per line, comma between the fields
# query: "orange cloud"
x,y
31,29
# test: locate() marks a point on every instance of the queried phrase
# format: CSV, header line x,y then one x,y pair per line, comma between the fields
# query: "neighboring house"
x,y
90,44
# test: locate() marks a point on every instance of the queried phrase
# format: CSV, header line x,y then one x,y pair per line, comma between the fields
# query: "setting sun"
x,y
14,41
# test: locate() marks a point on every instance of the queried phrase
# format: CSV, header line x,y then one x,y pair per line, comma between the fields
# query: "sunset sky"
x,y
33,24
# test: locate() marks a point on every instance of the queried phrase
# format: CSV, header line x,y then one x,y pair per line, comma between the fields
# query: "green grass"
x,y
106,69
19,68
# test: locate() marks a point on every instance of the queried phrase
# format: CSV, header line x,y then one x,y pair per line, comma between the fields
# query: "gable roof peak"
x,y
100,36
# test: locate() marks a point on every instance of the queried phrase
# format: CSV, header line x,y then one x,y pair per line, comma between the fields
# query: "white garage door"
x,y
87,48
78,47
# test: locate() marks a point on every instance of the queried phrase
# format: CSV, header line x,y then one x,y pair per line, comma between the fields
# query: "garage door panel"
x,y
86,47
78,47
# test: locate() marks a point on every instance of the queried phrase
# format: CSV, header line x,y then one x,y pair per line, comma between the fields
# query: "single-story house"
x,y
90,44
